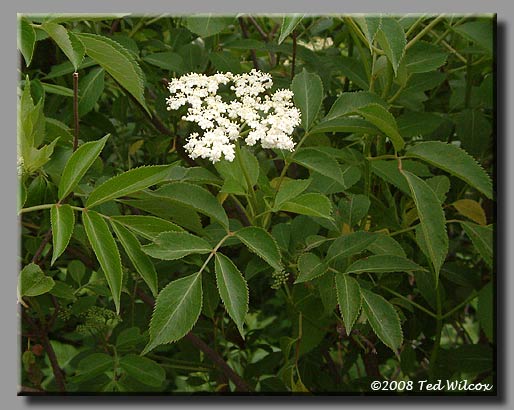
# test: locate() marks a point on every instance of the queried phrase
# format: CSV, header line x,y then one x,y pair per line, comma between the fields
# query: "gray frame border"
x,y
505,169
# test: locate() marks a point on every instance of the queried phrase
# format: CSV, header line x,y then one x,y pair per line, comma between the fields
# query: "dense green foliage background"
x,y
365,254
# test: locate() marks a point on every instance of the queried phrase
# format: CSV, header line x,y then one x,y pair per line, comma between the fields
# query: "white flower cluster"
x,y
270,119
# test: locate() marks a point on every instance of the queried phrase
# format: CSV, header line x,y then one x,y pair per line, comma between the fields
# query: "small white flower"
x,y
271,120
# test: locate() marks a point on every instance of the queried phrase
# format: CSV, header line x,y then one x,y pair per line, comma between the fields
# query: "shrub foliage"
x,y
364,254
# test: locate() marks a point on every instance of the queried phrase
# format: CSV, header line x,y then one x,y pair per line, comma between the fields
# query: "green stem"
x,y
398,92
414,26
416,305
287,164
385,156
459,306
424,31
213,252
410,228
469,84
252,200
437,341
372,74
137,27
35,208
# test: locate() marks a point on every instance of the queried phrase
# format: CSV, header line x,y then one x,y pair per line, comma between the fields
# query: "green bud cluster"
x,y
97,319
279,278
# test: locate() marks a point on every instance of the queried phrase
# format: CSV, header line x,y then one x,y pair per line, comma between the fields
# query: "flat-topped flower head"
x,y
269,118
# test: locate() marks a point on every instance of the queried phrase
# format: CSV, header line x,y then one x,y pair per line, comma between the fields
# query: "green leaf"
x,y
224,61
349,245
194,57
312,204
482,238
35,158
67,68
345,124
166,208
26,40
385,245
414,124
422,82
473,129
383,263
389,172
63,291
106,251
320,162
391,39
308,94
177,309
129,338
92,366
66,41
431,216
455,161
195,197
384,121
383,319
118,62
33,282
290,189
57,89
471,209
354,70
486,310
309,266
91,88
351,101
176,245
139,259
143,370
148,227
231,172
166,60
353,208
207,25
348,298
423,57
70,17
78,164
63,220
233,289
127,183
369,26
480,32
262,244
289,23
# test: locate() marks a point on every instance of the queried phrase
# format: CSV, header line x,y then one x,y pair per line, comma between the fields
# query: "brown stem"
x,y
273,31
74,252
245,35
39,251
259,28
58,373
43,336
241,384
266,37
76,109
332,367
371,365
294,55
159,126
114,26
27,389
